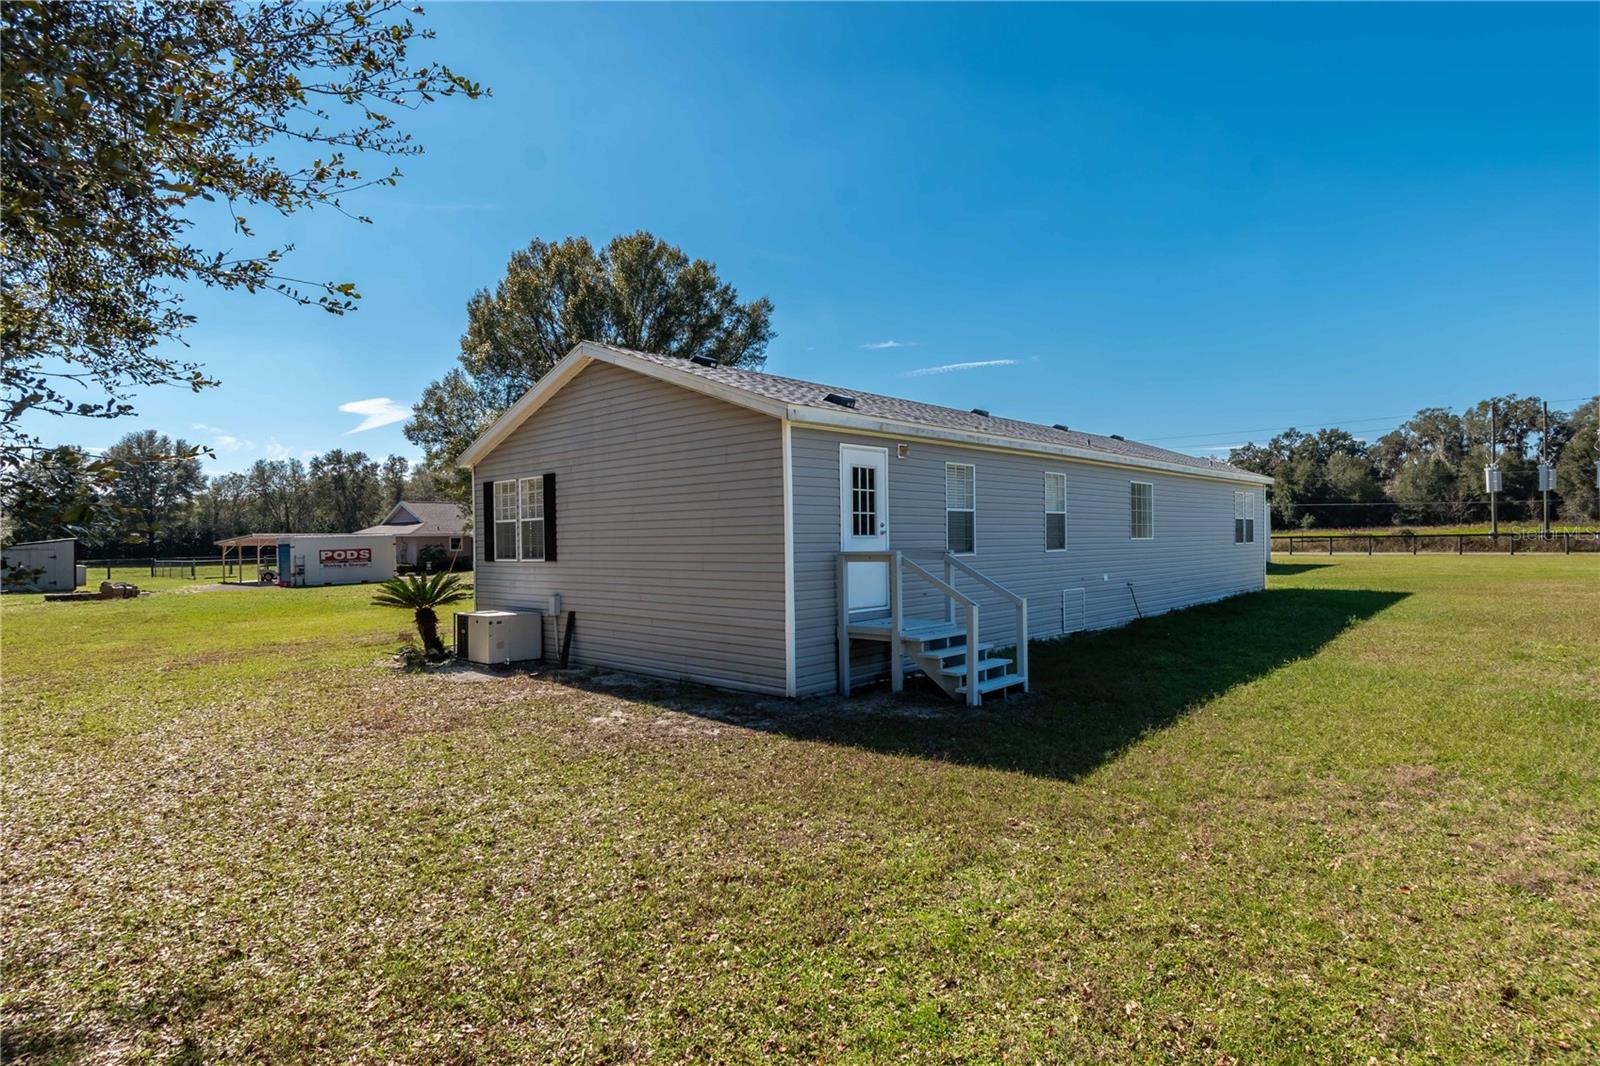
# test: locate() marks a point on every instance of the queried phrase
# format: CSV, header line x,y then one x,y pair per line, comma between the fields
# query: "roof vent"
x,y
980,411
1118,436
842,401
702,360
1059,426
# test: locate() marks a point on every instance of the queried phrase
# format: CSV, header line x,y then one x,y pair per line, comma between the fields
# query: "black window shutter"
x,y
486,526
549,518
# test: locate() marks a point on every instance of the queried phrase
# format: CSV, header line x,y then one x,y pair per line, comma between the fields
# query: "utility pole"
x,y
1491,475
1544,468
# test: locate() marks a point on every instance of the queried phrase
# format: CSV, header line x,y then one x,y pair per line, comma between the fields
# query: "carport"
x,y
238,546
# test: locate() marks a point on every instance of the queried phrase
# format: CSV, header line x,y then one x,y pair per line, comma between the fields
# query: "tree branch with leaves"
x,y
120,118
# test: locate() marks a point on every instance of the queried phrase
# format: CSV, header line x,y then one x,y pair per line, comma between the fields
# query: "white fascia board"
x,y
888,427
581,356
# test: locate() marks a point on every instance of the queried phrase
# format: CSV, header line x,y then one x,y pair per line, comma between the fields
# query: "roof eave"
x,y
801,414
588,352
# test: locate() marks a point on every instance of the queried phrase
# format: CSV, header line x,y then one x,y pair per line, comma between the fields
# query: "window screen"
x,y
505,519
532,517
1055,512
1141,510
1244,517
960,508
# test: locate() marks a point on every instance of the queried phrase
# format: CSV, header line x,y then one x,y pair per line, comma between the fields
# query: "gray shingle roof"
x,y
438,520
812,394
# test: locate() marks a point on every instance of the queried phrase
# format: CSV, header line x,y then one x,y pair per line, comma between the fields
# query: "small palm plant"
x,y
421,594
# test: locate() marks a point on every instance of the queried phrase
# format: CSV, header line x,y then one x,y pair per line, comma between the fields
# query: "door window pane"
x,y
864,501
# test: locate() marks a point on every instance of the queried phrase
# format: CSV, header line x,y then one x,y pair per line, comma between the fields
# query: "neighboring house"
x,y
416,525
754,532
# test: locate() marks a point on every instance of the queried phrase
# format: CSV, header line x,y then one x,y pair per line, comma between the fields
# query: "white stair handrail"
x,y
1018,602
949,590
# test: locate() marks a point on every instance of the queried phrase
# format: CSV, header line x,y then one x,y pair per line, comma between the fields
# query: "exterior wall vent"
x,y
702,360
980,411
842,401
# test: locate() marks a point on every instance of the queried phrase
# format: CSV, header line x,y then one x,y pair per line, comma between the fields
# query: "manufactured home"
x,y
749,531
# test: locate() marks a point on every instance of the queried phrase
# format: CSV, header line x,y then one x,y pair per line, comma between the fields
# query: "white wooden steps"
x,y
940,648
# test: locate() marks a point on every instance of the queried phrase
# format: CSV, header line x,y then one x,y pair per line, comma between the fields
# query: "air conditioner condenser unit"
x,y
493,637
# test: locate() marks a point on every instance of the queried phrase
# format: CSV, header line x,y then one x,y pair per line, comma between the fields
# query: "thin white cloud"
x,y
878,346
222,440
950,368
276,451
378,411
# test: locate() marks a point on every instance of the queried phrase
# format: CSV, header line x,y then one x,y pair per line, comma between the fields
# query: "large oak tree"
x,y
637,292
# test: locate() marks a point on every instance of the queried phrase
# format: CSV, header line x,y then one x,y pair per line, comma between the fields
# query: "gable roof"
x,y
807,403
431,520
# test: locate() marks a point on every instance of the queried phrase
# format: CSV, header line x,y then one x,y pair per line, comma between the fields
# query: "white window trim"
x,y
453,544
1066,539
960,510
522,549
1151,485
501,543
1244,510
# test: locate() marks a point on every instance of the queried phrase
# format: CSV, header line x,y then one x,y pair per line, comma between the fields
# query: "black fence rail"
x,y
1437,543
193,567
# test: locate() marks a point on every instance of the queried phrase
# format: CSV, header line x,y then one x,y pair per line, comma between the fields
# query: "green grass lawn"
x,y
1355,816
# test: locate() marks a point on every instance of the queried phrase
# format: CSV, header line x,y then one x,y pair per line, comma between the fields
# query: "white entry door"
x,y
864,523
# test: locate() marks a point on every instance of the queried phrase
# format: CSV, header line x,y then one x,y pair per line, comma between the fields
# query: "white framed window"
x,y
1055,512
505,519
1244,518
455,544
530,495
1141,510
960,508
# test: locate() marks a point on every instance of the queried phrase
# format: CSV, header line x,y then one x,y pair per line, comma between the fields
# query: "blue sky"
x,y
1174,223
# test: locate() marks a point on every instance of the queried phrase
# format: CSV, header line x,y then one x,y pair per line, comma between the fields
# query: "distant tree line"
x,y
1429,471
147,496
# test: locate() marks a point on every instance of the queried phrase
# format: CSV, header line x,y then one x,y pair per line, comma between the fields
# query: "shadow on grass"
x,y
1283,569
1094,694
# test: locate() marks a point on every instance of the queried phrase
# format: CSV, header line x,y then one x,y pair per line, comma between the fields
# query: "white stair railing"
x,y
970,606
898,565
1019,603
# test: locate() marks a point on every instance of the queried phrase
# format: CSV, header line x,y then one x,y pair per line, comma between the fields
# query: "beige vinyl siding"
x,y
669,530
1190,559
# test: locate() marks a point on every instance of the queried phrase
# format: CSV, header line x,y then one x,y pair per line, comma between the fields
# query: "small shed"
x,y
41,566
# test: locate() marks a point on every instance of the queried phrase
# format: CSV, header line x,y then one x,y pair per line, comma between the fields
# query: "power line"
x,y
1278,429
1326,425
